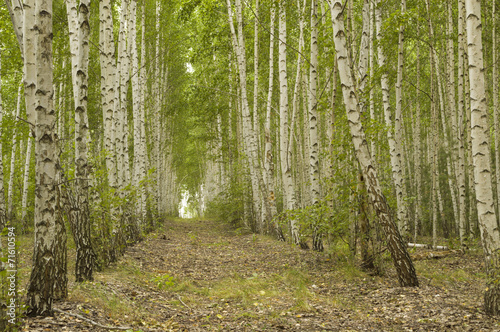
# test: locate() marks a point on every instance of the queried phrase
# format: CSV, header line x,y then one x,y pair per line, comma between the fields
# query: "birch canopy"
x,y
363,130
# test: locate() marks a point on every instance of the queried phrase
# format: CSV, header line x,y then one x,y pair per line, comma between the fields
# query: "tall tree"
x,y
400,257
43,274
490,234
79,213
313,123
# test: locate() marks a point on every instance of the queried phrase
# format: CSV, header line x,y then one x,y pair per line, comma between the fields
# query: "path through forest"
x,y
204,276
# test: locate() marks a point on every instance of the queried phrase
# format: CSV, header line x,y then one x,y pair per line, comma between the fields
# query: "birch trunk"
x,y
143,146
10,188
393,145
461,149
250,138
372,63
120,112
24,200
79,215
285,152
401,259
256,125
269,163
41,286
108,81
15,9
313,123
28,46
402,211
417,147
490,234
136,109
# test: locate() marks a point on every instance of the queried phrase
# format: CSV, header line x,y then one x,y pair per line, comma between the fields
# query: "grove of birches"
x,y
375,121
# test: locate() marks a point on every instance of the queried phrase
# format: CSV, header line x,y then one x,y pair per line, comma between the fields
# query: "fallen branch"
x,y
427,246
180,299
93,322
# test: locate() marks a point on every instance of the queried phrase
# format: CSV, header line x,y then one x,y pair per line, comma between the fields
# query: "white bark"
x,y
108,82
249,136
285,153
143,148
16,15
136,107
490,233
401,193
395,164
313,122
461,134
156,110
402,261
10,188
120,112
417,147
29,33
24,200
42,279
268,154
72,13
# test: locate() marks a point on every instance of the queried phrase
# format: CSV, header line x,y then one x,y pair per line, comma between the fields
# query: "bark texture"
x,y
401,259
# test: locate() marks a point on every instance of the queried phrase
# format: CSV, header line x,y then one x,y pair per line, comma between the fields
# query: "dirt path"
x,y
202,276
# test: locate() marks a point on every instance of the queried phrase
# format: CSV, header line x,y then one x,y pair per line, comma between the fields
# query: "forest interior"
x,y
249,165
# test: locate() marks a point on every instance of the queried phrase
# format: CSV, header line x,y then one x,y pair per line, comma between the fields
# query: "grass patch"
x,y
291,287
115,306
441,275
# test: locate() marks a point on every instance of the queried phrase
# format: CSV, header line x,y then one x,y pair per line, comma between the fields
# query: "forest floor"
x,y
203,276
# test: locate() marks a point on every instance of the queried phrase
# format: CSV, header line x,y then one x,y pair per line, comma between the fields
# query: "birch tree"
x,y
393,145
313,122
285,149
108,82
490,234
79,213
43,274
401,259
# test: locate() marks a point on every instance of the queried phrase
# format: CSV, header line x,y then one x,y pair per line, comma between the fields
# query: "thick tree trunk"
x,y
41,286
108,82
79,215
401,259
490,234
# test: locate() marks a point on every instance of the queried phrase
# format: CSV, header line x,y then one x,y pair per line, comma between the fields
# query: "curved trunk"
x,y
401,259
